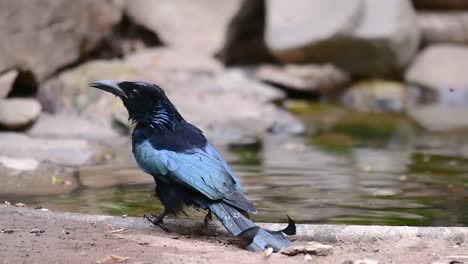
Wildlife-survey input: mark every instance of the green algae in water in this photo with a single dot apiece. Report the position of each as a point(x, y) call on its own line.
point(333, 142)
point(367, 127)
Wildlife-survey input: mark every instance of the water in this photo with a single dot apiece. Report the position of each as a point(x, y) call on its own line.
point(394, 175)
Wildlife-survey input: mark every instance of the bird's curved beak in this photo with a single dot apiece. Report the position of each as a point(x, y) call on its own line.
point(109, 86)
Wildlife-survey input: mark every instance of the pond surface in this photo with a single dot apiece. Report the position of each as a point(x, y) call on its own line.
point(383, 171)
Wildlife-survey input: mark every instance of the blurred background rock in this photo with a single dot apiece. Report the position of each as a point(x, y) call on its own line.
point(242, 70)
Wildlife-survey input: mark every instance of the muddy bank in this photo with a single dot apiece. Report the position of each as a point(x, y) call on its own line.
point(35, 236)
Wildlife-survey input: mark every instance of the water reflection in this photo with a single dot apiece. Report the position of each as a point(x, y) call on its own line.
point(419, 179)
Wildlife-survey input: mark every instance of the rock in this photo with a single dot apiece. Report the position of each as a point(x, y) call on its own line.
point(195, 93)
point(18, 112)
point(441, 4)
point(6, 82)
point(440, 67)
point(321, 79)
point(69, 152)
point(385, 33)
point(314, 248)
point(376, 96)
point(244, 43)
point(47, 35)
point(20, 164)
point(443, 27)
point(70, 126)
point(236, 80)
point(196, 26)
point(439, 117)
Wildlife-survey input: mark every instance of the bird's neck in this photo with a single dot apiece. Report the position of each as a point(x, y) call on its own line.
point(164, 117)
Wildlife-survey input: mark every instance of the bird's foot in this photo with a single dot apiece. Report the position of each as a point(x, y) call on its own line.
point(157, 221)
point(208, 218)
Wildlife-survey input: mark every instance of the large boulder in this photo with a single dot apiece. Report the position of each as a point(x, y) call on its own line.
point(440, 67)
point(194, 25)
point(365, 37)
point(68, 152)
point(441, 70)
point(71, 126)
point(228, 105)
point(44, 36)
point(443, 27)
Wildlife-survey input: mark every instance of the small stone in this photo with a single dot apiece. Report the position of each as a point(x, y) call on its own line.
point(318, 249)
point(7, 203)
point(44, 209)
point(37, 231)
point(20, 164)
point(7, 231)
point(307, 257)
point(18, 112)
point(20, 205)
point(267, 252)
point(292, 250)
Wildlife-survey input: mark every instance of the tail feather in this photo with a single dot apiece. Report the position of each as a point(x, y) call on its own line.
point(255, 237)
point(232, 220)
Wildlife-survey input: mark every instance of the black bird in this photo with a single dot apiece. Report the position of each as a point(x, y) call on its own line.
point(188, 170)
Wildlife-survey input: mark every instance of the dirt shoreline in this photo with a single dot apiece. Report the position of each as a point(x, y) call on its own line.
point(34, 236)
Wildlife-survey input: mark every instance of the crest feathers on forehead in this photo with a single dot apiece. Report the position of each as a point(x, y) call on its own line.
point(141, 86)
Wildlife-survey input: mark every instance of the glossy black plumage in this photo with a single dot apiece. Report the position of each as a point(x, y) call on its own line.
point(186, 168)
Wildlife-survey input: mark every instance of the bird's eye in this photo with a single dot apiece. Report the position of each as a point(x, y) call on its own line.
point(134, 92)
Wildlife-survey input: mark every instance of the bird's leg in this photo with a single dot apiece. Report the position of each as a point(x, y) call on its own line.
point(208, 218)
point(157, 220)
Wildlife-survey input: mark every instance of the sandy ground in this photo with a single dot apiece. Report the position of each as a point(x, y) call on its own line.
point(73, 238)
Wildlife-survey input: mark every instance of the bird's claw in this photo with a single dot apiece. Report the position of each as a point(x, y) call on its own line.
point(208, 218)
point(156, 221)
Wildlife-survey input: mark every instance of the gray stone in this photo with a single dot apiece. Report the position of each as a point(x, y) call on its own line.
point(44, 36)
point(363, 37)
point(20, 164)
point(440, 67)
point(70, 152)
point(18, 112)
point(71, 126)
point(192, 25)
point(6, 82)
point(307, 78)
point(439, 117)
point(443, 27)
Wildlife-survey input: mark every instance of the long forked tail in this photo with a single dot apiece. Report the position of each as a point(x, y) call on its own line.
point(256, 238)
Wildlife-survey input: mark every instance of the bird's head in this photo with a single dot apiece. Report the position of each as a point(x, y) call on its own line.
point(146, 103)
